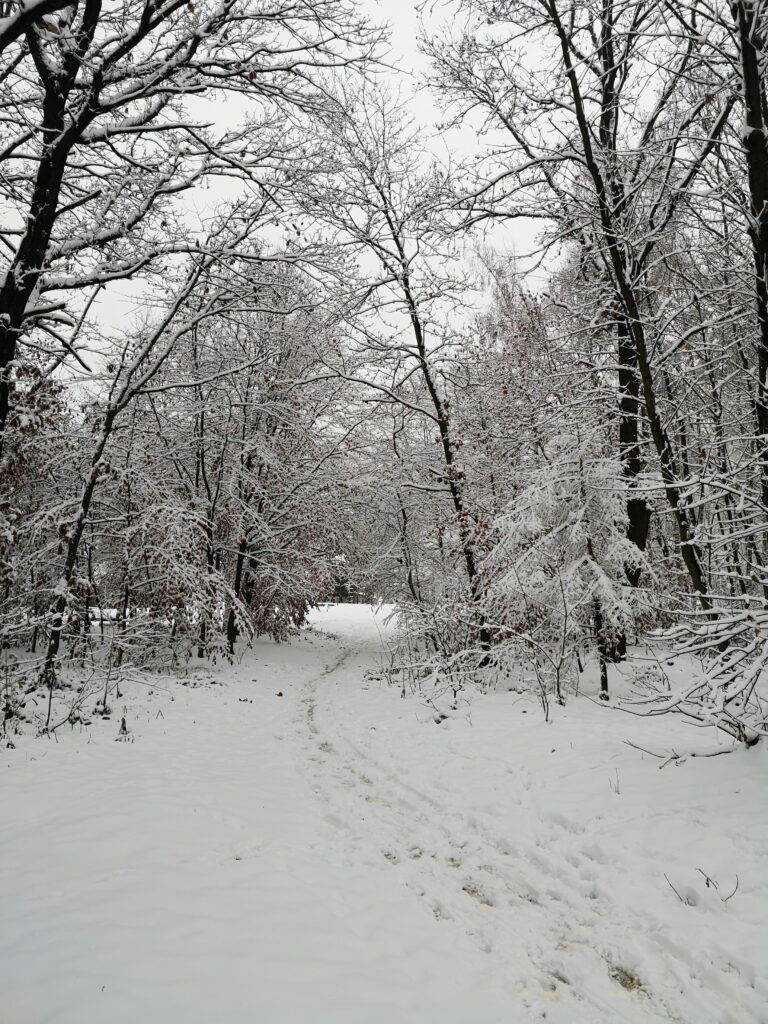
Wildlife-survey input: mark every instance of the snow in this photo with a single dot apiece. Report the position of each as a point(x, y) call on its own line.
point(335, 855)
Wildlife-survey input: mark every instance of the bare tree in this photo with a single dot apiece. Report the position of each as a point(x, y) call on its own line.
point(98, 135)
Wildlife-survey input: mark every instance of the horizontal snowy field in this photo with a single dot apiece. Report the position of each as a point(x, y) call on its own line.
point(286, 840)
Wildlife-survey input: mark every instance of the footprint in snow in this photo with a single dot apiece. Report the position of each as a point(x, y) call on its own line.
point(477, 893)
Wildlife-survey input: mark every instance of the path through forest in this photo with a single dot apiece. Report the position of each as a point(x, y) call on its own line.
point(286, 840)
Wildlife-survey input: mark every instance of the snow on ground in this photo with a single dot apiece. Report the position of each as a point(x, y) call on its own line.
point(336, 855)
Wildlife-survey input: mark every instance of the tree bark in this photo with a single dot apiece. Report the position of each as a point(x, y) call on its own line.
point(746, 16)
point(638, 511)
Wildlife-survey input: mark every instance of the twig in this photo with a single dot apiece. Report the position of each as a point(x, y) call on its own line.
point(672, 757)
point(643, 749)
point(674, 890)
point(715, 753)
point(726, 898)
point(709, 881)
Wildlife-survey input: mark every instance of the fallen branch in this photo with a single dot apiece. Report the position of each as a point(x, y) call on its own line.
point(672, 755)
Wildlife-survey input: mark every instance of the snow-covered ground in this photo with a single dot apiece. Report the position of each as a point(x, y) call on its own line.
point(288, 841)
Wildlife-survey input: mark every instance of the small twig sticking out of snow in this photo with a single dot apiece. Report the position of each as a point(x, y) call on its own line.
point(707, 880)
point(711, 883)
point(674, 890)
point(664, 758)
point(643, 749)
point(124, 734)
point(672, 757)
point(735, 888)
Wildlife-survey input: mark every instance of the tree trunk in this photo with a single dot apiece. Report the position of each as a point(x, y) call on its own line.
point(746, 15)
point(638, 511)
point(236, 587)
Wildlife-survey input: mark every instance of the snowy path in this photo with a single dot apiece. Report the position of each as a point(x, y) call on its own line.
point(333, 855)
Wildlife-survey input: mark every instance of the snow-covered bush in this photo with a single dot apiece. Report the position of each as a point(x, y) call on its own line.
point(434, 650)
point(558, 585)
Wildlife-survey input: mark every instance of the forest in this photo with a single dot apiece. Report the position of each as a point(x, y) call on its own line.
point(476, 336)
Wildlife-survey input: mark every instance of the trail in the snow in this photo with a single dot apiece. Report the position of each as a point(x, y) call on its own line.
point(532, 898)
point(446, 861)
